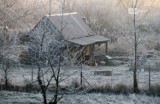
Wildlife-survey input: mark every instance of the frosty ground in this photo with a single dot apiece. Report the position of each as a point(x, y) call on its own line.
point(98, 98)
point(120, 75)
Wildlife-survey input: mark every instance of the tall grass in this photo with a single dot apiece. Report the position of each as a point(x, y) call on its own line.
point(107, 89)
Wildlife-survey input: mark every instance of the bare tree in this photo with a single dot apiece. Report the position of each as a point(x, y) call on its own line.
point(8, 37)
point(6, 53)
point(101, 16)
point(5, 44)
point(135, 7)
point(52, 61)
point(50, 52)
point(13, 13)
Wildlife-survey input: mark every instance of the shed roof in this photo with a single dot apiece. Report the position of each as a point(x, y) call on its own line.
point(89, 40)
point(74, 29)
point(72, 25)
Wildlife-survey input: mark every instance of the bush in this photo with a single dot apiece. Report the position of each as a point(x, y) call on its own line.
point(26, 88)
point(117, 89)
point(75, 84)
point(31, 88)
point(100, 89)
point(10, 87)
point(109, 62)
point(157, 47)
point(24, 58)
point(154, 90)
point(122, 89)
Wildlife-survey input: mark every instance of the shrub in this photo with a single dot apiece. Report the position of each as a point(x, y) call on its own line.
point(122, 89)
point(154, 90)
point(26, 88)
point(75, 84)
point(24, 58)
point(30, 87)
point(10, 87)
point(157, 47)
point(117, 89)
point(100, 89)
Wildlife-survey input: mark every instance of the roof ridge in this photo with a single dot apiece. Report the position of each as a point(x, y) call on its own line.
point(64, 14)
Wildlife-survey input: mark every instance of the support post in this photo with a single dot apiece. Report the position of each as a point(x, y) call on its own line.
point(92, 50)
point(106, 48)
point(81, 73)
point(149, 80)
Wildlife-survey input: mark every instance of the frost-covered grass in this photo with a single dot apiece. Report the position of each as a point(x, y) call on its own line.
point(120, 75)
point(30, 98)
point(109, 99)
point(19, 98)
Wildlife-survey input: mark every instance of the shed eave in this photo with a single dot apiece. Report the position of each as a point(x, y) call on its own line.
point(89, 40)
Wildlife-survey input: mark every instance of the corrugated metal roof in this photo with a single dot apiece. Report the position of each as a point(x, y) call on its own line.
point(89, 40)
point(72, 25)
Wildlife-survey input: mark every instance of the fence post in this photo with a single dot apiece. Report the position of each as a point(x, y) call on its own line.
point(149, 76)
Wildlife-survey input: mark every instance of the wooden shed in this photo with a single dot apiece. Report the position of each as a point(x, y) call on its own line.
point(74, 29)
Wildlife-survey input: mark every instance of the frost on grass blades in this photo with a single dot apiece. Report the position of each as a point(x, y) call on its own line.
point(27, 98)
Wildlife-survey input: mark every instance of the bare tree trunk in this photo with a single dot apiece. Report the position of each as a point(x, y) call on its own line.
point(32, 74)
point(43, 89)
point(81, 74)
point(6, 74)
point(56, 93)
point(135, 84)
point(6, 69)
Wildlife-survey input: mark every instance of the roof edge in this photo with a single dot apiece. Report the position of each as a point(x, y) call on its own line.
point(61, 14)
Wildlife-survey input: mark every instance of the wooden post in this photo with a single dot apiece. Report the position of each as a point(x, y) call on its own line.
point(81, 73)
point(149, 80)
point(32, 73)
point(81, 76)
point(106, 49)
point(93, 52)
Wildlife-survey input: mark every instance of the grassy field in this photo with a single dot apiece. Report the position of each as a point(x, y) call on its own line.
point(98, 98)
point(120, 75)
